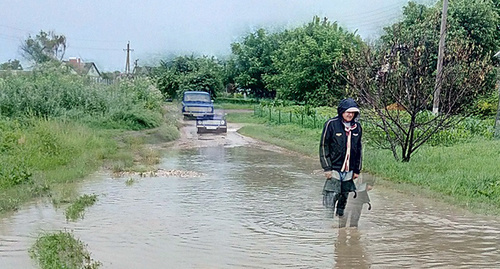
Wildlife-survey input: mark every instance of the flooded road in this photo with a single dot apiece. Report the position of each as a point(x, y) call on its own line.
point(250, 205)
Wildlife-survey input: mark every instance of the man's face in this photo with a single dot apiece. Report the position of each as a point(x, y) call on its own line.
point(348, 116)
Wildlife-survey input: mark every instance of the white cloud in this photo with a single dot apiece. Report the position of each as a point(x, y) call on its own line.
point(99, 30)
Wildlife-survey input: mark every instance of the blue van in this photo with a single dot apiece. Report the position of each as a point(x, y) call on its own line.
point(197, 104)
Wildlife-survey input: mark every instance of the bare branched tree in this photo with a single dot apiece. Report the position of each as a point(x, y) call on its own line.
point(397, 82)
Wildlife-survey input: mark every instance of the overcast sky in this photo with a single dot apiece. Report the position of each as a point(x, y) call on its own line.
point(98, 30)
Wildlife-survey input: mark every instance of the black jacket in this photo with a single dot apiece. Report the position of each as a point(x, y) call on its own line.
point(332, 148)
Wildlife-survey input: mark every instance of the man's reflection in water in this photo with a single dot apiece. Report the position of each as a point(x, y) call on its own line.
point(350, 251)
point(354, 206)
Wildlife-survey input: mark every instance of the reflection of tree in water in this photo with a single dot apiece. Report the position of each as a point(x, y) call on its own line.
point(350, 251)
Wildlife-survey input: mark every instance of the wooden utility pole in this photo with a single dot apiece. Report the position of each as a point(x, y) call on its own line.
point(439, 71)
point(497, 120)
point(127, 64)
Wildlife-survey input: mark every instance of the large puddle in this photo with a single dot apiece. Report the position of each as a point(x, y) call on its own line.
point(252, 208)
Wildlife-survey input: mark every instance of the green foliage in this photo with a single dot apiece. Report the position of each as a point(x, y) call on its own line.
point(62, 250)
point(191, 73)
point(44, 47)
point(400, 73)
point(306, 63)
point(475, 21)
point(11, 65)
point(77, 209)
point(36, 153)
point(167, 80)
point(304, 116)
point(51, 91)
point(130, 181)
point(252, 60)
point(14, 171)
point(230, 100)
point(51, 128)
point(486, 106)
point(462, 130)
point(466, 171)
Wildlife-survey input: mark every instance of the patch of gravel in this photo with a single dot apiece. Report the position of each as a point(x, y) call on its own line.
point(161, 173)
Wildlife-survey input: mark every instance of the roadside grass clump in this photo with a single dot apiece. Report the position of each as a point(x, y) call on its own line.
point(77, 209)
point(167, 133)
point(38, 153)
point(121, 161)
point(130, 181)
point(62, 250)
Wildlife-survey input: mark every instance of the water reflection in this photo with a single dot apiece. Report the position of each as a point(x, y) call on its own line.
point(357, 202)
point(350, 251)
point(252, 208)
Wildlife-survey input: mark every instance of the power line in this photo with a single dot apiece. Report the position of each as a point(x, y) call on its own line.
point(372, 12)
point(9, 37)
point(87, 48)
point(357, 16)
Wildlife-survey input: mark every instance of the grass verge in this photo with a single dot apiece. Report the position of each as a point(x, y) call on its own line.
point(41, 155)
point(464, 174)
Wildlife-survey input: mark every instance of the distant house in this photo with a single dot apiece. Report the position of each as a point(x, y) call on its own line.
point(85, 69)
point(142, 70)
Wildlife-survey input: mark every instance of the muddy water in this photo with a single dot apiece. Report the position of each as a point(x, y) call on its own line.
point(252, 208)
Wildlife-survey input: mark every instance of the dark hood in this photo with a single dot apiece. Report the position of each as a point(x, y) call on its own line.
point(346, 104)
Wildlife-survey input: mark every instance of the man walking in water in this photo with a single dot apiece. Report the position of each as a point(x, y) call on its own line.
point(340, 155)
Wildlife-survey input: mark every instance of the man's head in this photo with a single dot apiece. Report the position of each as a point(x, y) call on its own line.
point(348, 109)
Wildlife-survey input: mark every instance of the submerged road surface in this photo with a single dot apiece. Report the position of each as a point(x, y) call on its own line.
point(245, 204)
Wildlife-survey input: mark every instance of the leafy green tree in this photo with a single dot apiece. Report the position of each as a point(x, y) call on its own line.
point(475, 21)
point(167, 80)
point(185, 73)
point(305, 63)
point(11, 65)
point(252, 60)
point(229, 74)
point(44, 47)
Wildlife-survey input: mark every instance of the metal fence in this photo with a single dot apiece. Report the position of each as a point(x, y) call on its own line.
point(304, 117)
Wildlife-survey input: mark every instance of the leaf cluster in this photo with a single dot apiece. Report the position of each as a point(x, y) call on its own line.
point(188, 73)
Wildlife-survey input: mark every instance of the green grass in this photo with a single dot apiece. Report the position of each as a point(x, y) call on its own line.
point(244, 117)
point(77, 209)
point(466, 174)
point(290, 137)
point(233, 106)
point(61, 250)
point(41, 155)
point(130, 182)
